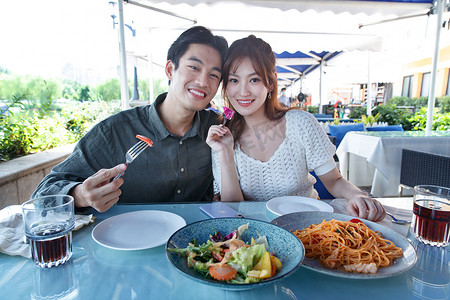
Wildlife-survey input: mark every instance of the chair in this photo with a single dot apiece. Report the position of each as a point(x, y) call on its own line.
point(386, 128)
point(320, 188)
point(424, 168)
point(339, 131)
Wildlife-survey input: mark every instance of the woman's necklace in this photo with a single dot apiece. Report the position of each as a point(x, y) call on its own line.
point(260, 129)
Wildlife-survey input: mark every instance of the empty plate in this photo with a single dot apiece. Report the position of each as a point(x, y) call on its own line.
point(137, 230)
point(289, 204)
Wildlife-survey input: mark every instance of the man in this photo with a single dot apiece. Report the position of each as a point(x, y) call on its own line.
point(178, 166)
point(284, 99)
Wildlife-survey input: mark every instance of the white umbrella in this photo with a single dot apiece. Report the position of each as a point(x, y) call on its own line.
point(335, 29)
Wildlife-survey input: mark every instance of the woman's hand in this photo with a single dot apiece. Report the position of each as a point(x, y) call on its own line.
point(359, 204)
point(220, 138)
point(363, 206)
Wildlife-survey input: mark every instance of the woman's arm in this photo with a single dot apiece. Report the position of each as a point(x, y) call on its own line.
point(221, 141)
point(359, 203)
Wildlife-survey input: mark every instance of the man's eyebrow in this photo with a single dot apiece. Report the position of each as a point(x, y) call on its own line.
point(193, 58)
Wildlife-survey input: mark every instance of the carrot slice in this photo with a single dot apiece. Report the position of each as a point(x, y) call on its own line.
point(223, 273)
point(145, 139)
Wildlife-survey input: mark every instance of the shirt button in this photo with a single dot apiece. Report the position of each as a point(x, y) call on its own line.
point(182, 170)
point(181, 142)
point(179, 191)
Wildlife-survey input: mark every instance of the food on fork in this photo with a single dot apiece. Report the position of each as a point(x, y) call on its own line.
point(145, 139)
point(227, 114)
point(348, 246)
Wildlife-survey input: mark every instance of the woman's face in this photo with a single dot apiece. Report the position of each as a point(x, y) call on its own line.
point(246, 90)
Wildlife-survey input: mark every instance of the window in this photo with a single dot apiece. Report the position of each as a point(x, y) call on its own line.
point(407, 86)
point(426, 81)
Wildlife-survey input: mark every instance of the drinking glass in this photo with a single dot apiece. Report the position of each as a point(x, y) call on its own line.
point(431, 219)
point(49, 221)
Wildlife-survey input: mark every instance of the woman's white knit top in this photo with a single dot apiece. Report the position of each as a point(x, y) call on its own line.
point(305, 148)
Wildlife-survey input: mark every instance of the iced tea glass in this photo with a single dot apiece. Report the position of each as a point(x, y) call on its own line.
point(431, 219)
point(49, 221)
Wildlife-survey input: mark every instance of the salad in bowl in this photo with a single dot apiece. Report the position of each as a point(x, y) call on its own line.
point(234, 253)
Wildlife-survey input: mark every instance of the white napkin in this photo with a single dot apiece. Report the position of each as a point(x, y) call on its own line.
point(12, 232)
point(340, 207)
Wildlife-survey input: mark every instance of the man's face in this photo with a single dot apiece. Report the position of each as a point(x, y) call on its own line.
point(196, 80)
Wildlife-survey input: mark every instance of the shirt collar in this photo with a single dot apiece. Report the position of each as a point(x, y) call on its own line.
point(161, 132)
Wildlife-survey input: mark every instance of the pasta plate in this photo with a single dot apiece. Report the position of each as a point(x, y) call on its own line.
point(301, 220)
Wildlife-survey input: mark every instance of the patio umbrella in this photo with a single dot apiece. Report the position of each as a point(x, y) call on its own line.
point(284, 35)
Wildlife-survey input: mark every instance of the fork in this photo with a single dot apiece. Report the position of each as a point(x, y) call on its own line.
point(132, 153)
point(398, 221)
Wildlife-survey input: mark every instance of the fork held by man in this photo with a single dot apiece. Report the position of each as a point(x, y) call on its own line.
point(132, 153)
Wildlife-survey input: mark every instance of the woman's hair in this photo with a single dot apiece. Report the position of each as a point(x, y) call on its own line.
point(263, 61)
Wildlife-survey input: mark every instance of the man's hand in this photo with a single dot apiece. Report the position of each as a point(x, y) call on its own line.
point(98, 191)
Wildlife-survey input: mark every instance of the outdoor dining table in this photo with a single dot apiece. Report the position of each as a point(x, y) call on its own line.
point(374, 158)
point(97, 272)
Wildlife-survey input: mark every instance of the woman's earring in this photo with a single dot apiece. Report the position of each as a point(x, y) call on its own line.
point(270, 95)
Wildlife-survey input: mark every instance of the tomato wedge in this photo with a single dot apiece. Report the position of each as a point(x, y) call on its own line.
point(222, 273)
point(145, 139)
point(356, 221)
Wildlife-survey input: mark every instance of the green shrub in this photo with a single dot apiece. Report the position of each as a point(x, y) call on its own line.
point(16, 139)
point(312, 109)
point(443, 103)
point(405, 101)
point(393, 115)
point(357, 112)
point(440, 121)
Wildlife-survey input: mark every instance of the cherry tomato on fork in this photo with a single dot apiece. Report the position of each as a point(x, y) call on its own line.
point(356, 221)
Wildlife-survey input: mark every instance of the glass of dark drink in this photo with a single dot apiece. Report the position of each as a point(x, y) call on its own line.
point(49, 222)
point(431, 219)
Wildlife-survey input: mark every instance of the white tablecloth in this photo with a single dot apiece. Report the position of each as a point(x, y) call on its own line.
point(383, 151)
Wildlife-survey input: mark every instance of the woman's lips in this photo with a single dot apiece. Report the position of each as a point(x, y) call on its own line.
point(245, 102)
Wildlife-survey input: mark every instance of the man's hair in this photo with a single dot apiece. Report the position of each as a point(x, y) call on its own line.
point(196, 35)
point(283, 89)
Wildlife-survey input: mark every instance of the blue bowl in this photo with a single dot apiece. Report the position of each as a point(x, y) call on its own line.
point(286, 246)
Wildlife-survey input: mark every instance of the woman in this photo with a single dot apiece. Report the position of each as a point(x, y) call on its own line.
point(268, 151)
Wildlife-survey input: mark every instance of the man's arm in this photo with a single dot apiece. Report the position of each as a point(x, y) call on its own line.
point(87, 172)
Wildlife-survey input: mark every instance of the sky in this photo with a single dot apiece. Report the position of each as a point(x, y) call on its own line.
point(40, 37)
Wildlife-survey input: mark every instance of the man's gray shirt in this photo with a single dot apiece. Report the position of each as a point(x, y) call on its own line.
point(175, 169)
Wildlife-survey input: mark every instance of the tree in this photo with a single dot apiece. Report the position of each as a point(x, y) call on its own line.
point(110, 90)
point(84, 93)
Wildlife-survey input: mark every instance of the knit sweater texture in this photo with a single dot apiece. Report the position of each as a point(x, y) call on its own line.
point(305, 148)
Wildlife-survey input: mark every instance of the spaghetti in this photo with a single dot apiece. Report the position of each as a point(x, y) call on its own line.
point(348, 246)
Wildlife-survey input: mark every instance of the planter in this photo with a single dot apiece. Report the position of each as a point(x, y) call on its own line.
point(19, 177)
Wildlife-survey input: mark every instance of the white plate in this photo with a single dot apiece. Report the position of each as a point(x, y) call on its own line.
point(137, 230)
point(302, 220)
point(289, 204)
